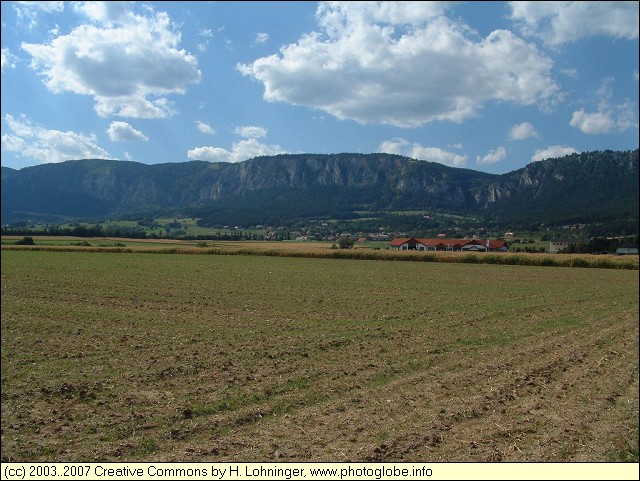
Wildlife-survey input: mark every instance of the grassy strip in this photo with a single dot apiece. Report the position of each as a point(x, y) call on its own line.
point(520, 259)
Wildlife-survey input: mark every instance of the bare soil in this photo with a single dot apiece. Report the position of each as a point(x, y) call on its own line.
point(145, 357)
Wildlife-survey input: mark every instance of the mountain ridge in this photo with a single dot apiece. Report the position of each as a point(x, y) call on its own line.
point(594, 185)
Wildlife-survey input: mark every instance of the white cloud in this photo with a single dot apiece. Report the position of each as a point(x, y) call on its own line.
point(212, 154)
point(396, 146)
point(618, 119)
point(121, 59)
point(243, 150)
point(205, 33)
point(205, 128)
point(334, 17)
point(107, 13)
point(27, 12)
point(434, 154)
point(492, 157)
point(42, 6)
point(593, 123)
point(416, 151)
point(262, 37)
point(134, 107)
point(522, 131)
point(561, 22)
point(608, 118)
point(246, 148)
point(569, 72)
point(402, 64)
point(8, 60)
point(251, 131)
point(48, 146)
point(552, 152)
point(123, 132)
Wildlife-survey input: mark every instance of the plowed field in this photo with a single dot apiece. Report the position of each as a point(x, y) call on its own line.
point(169, 357)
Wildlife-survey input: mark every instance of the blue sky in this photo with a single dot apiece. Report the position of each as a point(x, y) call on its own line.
point(488, 86)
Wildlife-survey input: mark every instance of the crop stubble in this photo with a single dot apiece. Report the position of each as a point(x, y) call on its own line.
point(125, 356)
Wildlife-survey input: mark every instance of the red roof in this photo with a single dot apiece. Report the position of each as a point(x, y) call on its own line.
point(497, 244)
point(401, 240)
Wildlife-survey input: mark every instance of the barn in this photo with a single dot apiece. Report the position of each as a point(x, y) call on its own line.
point(453, 245)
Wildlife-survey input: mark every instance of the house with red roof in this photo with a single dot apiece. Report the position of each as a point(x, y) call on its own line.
point(453, 245)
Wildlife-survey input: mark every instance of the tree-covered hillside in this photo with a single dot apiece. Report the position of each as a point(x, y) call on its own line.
point(599, 188)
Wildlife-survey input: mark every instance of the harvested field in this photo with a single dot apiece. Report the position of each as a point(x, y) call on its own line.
point(111, 356)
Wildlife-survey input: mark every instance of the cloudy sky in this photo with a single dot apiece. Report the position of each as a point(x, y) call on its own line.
point(488, 86)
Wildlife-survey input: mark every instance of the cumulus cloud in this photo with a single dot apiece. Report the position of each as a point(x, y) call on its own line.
point(618, 119)
point(434, 154)
point(492, 157)
point(395, 146)
point(522, 131)
point(251, 131)
point(127, 62)
point(246, 148)
point(335, 17)
point(8, 59)
point(205, 128)
point(262, 37)
point(48, 146)
point(593, 123)
point(416, 151)
point(608, 118)
point(212, 154)
point(552, 152)
point(108, 13)
point(562, 22)
point(402, 64)
point(242, 150)
point(123, 132)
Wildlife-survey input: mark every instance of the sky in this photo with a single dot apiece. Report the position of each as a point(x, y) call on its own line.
point(487, 86)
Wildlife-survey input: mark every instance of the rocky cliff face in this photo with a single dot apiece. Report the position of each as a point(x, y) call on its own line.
point(589, 177)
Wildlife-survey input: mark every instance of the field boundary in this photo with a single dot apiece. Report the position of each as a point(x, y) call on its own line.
point(516, 259)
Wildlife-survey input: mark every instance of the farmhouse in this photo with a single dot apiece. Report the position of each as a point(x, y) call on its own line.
point(459, 245)
point(626, 250)
point(565, 245)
